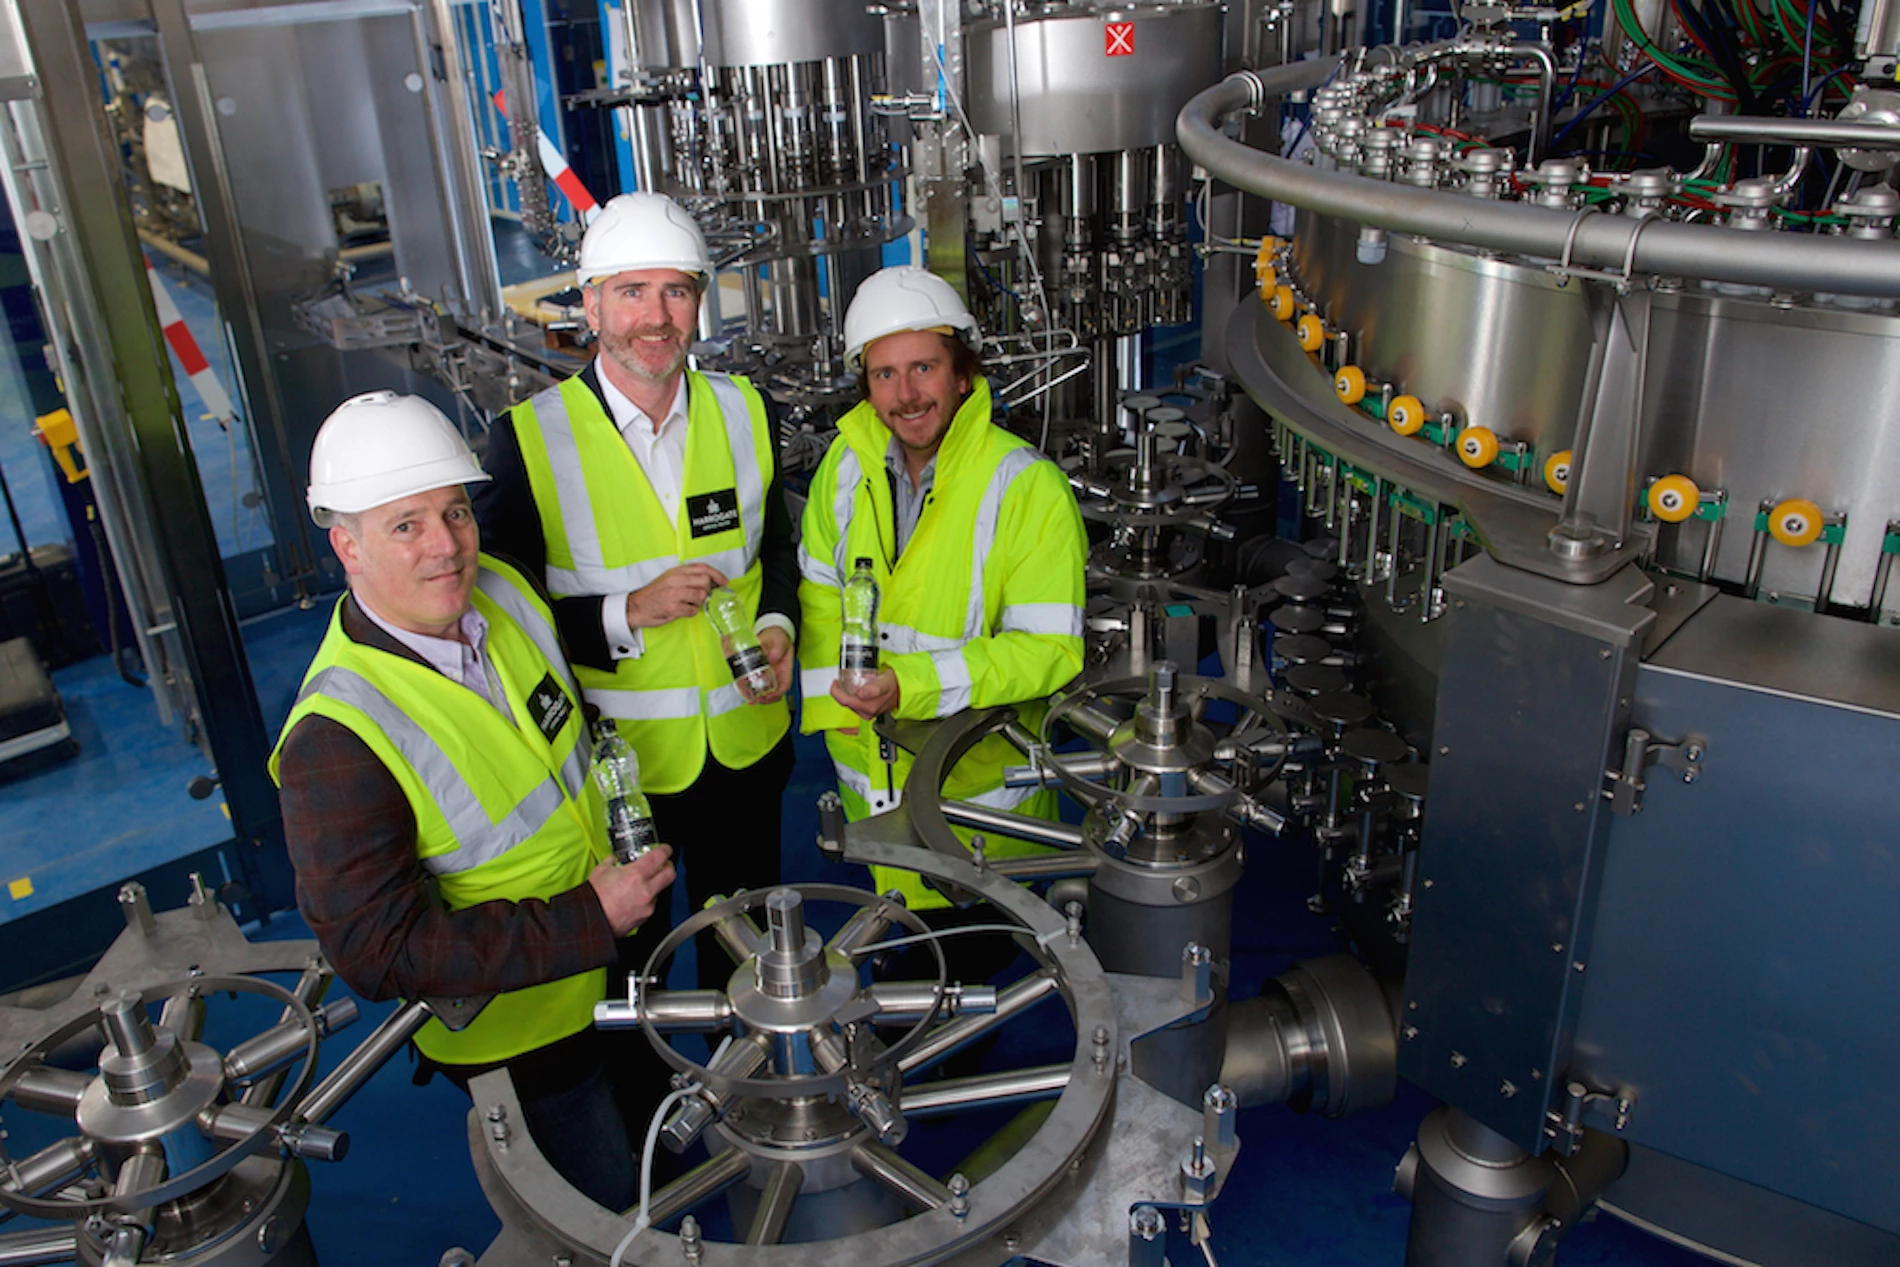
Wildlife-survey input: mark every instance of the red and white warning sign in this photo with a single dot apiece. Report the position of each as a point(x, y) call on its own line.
point(217, 402)
point(557, 169)
point(1118, 39)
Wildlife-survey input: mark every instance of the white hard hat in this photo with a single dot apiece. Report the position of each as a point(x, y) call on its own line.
point(642, 230)
point(905, 297)
point(380, 446)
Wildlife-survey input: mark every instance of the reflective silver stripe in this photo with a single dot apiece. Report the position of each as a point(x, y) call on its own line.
point(723, 699)
point(1014, 463)
point(850, 473)
point(748, 480)
point(1002, 797)
point(816, 683)
point(669, 704)
point(1042, 618)
point(590, 573)
point(902, 639)
point(585, 582)
point(816, 570)
point(478, 840)
point(570, 488)
point(504, 595)
point(953, 682)
point(877, 798)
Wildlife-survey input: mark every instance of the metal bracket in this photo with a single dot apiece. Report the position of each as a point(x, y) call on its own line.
point(1642, 750)
point(1563, 1125)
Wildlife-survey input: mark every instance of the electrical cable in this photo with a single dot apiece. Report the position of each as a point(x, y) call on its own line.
point(641, 1221)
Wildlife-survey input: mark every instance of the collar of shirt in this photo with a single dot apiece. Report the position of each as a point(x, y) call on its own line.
point(908, 501)
point(461, 661)
point(661, 453)
point(630, 417)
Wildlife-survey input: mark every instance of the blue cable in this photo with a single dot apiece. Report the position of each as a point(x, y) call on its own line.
point(1584, 113)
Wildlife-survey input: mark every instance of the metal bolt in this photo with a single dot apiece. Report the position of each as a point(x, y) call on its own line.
point(1444, 750)
point(1690, 776)
point(1219, 1107)
point(1146, 1222)
point(1578, 965)
point(1459, 1060)
point(1410, 1032)
point(1507, 1089)
point(689, 1240)
point(1100, 1041)
point(959, 1195)
point(1197, 1174)
point(1012, 1240)
point(1557, 947)
point(978, 850)
point(1578, 806)
point(1603, 653)
point(1693, 751)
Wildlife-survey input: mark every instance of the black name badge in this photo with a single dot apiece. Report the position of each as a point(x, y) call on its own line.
point(550, 707)
point(707, 513)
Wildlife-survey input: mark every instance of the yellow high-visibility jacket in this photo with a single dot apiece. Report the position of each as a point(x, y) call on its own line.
point(983, 607)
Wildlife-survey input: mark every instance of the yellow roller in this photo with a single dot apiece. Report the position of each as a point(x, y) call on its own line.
point(1350, 384)
point(1795, 522)
point(1280, 303)
point(1312, 332)
point(1673, 498)
point(1477, 447)
point(1557, 471)
point(1406, 415)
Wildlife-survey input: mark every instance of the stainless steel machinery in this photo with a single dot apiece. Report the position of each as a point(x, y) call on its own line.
point(172, 1150)
point(1595, 454)
point(804, 1111)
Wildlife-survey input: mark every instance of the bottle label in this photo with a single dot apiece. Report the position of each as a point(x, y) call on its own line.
point(861, 657)
point(629, 832)
point(746, 661)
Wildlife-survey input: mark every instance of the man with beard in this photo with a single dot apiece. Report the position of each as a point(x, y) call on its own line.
point(974, 540)
point(634, 489)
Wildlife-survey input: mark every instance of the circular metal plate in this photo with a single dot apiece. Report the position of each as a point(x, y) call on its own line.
point(1343, 709)
point(1322, 548)
point(1301, 648)
point(1408, 780)
point(1314, 680)
point(1296, 618)
point(1319, 569)
point(1374, 747)
point(1301, 589)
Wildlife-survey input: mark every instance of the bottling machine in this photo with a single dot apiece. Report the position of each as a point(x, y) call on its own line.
point(1517, 548)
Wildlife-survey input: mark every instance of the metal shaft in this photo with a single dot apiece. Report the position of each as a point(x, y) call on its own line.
point(775, 1204)
point(945, 1039)
point(953, 1095)
point(1002, 822)
point(360, 1065)
point(912, 1186)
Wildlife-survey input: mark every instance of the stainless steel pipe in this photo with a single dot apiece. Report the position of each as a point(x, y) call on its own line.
point(1784, 261)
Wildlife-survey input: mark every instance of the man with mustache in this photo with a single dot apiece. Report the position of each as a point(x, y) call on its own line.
point(974, 539)
point(633, 489)
point(447, 839)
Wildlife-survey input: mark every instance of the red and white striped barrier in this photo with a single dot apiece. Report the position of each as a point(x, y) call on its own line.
point(217, 402)
point(564, 177)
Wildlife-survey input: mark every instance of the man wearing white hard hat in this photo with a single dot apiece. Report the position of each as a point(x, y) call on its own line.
point(634, 488)
point(974, 540)
point(447, 839)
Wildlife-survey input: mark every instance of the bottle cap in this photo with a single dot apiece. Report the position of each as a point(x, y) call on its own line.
point(861, 562)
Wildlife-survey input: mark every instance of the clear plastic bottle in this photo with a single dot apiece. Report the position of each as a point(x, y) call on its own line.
point(857, 647)
point(616, 770)
point(740, 645)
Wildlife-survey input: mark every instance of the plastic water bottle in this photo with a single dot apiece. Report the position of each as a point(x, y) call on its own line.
point(857, 648)
point(740, 645)
point(616, 770)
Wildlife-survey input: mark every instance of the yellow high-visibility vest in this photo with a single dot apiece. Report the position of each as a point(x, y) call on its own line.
point(504, 806)
point(606, 533)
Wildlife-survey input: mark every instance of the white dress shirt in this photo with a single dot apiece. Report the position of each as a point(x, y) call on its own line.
point(661, 453)
point(462, 660)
